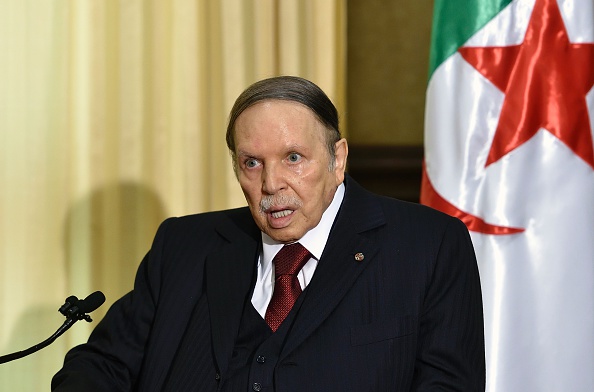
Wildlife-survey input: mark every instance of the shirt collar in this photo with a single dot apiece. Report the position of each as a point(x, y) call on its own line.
point(314, 240)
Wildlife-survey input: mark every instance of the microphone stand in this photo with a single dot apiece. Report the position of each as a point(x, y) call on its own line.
point(73, 312)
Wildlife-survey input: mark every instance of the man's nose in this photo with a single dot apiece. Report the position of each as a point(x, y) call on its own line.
point(273, 179)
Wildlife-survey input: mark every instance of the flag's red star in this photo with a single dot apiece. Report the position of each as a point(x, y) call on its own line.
point(545, 80)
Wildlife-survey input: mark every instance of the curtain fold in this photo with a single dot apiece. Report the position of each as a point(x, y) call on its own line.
point(112, 117)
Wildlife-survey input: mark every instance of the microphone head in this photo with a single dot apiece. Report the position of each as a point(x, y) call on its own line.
point(92, 302)
point(70, 306)
point(72, 300)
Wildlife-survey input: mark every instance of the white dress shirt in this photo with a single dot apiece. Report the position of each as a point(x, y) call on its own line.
point(314, 241)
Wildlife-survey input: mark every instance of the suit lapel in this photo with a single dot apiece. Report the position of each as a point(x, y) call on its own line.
point(229, 273)
point(338, 267)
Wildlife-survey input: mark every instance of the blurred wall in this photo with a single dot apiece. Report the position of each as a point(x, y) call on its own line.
point(387, 70)
point(112, 117)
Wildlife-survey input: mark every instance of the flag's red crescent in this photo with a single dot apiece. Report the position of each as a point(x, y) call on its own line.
point(431, 198)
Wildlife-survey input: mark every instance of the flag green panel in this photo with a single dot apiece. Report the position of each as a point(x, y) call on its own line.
point(455, 21)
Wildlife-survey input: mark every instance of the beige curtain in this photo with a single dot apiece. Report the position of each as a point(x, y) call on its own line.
point(112, 117)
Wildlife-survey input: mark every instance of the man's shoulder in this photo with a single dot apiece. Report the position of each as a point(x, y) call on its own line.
point(406, 213)
point(394, 211)
point(417, 209)
point(233, 214)
point(208, 223)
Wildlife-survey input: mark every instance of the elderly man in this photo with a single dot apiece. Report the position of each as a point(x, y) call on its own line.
point(317, 285)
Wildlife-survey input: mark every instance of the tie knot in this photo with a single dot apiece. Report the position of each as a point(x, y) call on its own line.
point(290, 259)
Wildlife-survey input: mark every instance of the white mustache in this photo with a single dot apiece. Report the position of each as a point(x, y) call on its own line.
point(271, 201)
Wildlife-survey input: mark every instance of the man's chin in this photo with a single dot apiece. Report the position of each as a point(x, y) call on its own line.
point(285, 235)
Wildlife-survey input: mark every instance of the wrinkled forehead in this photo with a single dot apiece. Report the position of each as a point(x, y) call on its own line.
point(281, 113)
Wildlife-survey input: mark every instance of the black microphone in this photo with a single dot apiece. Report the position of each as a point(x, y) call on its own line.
point(74, 309)
point(92, 302)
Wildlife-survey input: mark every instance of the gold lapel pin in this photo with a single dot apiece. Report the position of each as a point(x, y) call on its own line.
point(359, 256)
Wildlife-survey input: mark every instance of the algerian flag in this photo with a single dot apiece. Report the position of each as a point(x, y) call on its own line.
point(509, 149)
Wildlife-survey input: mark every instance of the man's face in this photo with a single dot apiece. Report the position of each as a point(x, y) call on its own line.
point(282, 167)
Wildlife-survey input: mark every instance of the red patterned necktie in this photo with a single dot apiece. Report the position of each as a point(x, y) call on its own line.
point(287, 264)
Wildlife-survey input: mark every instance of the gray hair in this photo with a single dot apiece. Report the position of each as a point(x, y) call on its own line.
point(288, 88)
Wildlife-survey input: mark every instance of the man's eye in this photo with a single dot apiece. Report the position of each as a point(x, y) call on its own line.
point(294, 157)
point(250, 163)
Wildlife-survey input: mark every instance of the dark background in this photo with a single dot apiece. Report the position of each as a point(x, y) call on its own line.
point(387, 71)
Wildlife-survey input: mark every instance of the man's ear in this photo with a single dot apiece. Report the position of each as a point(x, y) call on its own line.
point(341, 151)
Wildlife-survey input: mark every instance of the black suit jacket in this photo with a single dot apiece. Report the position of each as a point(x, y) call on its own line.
point(408, 316)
